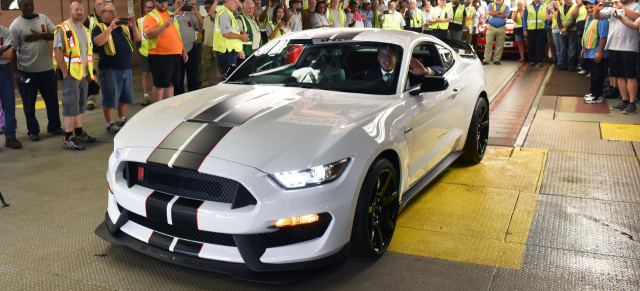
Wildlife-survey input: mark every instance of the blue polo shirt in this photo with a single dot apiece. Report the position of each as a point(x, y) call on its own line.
point(498, 21)
point(526, 13)
point(122, 59)
point(603, 31)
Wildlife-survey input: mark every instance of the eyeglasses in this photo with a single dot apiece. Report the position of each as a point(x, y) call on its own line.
point(76, 9)
point(111, 11)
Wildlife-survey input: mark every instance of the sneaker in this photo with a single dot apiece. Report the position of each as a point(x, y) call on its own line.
point(122, 123)
point(533, 64)
point(112, 128)
point(621, 106)
point(85, 138)
point(612, 93)
point(579, 68)
point(13, 143)
point(34, 137)
point(497, 63)
point(90, 106)
point(631, 109)
point(485, 63)
point(594, 100)
point(583, 72)
point(146, 101)
point(588, 97)
point(72, 144)
point(588, 75)
point(539, 65)
point(58, 131)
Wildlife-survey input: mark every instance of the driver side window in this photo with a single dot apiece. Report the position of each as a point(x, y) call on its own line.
point(428, 54)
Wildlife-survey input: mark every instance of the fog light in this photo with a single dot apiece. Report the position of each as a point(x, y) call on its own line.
point(311, 218)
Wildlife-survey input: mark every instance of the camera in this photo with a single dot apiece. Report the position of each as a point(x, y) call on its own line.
point(607, 4)
point(386, 12)
point(187, 8)
point(122, 21)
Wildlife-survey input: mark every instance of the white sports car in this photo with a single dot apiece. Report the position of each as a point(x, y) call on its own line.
point(307, 153)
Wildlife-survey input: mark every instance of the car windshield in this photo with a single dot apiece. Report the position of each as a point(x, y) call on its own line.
point(336, 66)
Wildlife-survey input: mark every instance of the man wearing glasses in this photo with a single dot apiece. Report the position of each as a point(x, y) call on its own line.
point(74, 53)
point(115, 46)
point(91, 23)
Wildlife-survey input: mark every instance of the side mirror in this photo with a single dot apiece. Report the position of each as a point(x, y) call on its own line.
point(434, 84)
point(228, 70)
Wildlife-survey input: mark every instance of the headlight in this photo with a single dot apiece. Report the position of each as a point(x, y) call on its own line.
point(311, 177)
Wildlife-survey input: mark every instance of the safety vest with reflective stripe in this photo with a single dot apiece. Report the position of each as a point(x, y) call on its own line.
point(144, 43)
point(416, 21)
point(93, 21)
point(518, 22)
point(376, 20)
point(109, 47)
point(566, 17)
point(590, 35)
point(273, 28)
point(153, 42)
point(72, 56)
point(221, 43)
point(469, 19)
point(341, 14)
point(392, 21)
point(441, 25)
point(458, 14)
point(535, 21)
point(492, 7)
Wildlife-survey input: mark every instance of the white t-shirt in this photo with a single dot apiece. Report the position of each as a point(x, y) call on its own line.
point(621, 38)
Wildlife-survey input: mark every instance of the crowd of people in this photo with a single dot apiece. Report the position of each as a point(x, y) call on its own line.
point(98, 48)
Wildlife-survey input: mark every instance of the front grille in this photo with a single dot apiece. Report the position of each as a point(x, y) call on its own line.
point(185, 183)
point(184, 232)
point(296, 234)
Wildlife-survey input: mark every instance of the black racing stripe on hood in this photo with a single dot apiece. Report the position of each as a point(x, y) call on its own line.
point(167, 148)
point(200, 146)
point(229, 111)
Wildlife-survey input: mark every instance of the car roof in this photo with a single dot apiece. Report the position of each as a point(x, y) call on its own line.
point(399, 37)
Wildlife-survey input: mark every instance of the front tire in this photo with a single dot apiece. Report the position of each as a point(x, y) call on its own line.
point(478, 135)
point(376, 212)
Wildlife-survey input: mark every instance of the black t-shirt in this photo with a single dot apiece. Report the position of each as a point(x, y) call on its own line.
point(122, 59)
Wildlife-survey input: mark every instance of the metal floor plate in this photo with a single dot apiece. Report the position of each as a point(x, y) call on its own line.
point(603, 177)
point(566, 129)
point(580, 145)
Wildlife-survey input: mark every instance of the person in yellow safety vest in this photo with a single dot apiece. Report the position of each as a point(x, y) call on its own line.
point(266, 12)
point(337, 17)
point(427, 14)
point(441, 16)
point(594, 40)
point(518, 31)
point(417, 17)
point(568, 58)
point(498, 12)
point(116, 48)
point(149, 5)
point(90, 22)
point(535, 30)
point(469, 25)
point(458, 15)
point(580, 14)
point(166, 52)
point(227, 38)
point(74, 53)
point(391, 19)
point(375, 22)
point(278, 26)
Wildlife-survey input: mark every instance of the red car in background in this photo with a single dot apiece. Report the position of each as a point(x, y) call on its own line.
point(510, 43)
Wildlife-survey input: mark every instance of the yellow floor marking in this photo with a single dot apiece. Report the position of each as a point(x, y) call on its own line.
point(617, 131)
point(469, 216)
point(39, 105)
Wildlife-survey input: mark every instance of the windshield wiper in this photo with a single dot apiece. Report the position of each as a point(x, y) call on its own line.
point(243, 82)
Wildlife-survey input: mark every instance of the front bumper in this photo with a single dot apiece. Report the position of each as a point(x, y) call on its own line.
point(248, 246)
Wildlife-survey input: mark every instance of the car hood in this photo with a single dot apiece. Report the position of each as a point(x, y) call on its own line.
point(271, 128)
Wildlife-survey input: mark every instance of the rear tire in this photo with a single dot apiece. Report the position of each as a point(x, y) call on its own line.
point(478, 135)
point(376, 212)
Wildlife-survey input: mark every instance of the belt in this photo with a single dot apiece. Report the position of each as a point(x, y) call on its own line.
point(6, 67)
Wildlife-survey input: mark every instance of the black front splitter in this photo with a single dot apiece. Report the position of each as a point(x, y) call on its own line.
point(268, 273)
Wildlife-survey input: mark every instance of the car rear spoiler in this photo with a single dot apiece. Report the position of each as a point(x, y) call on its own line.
point(464, 49)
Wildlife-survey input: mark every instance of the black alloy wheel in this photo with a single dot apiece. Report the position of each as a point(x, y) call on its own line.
point(478, 136)
point(376, 212)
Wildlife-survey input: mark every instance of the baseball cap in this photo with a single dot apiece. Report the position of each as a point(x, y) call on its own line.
point(591, 1)
point(162, 1)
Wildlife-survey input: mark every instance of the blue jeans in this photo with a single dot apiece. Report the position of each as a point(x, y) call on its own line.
point(569, 47)
point(558, 46)
point(8, 99)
